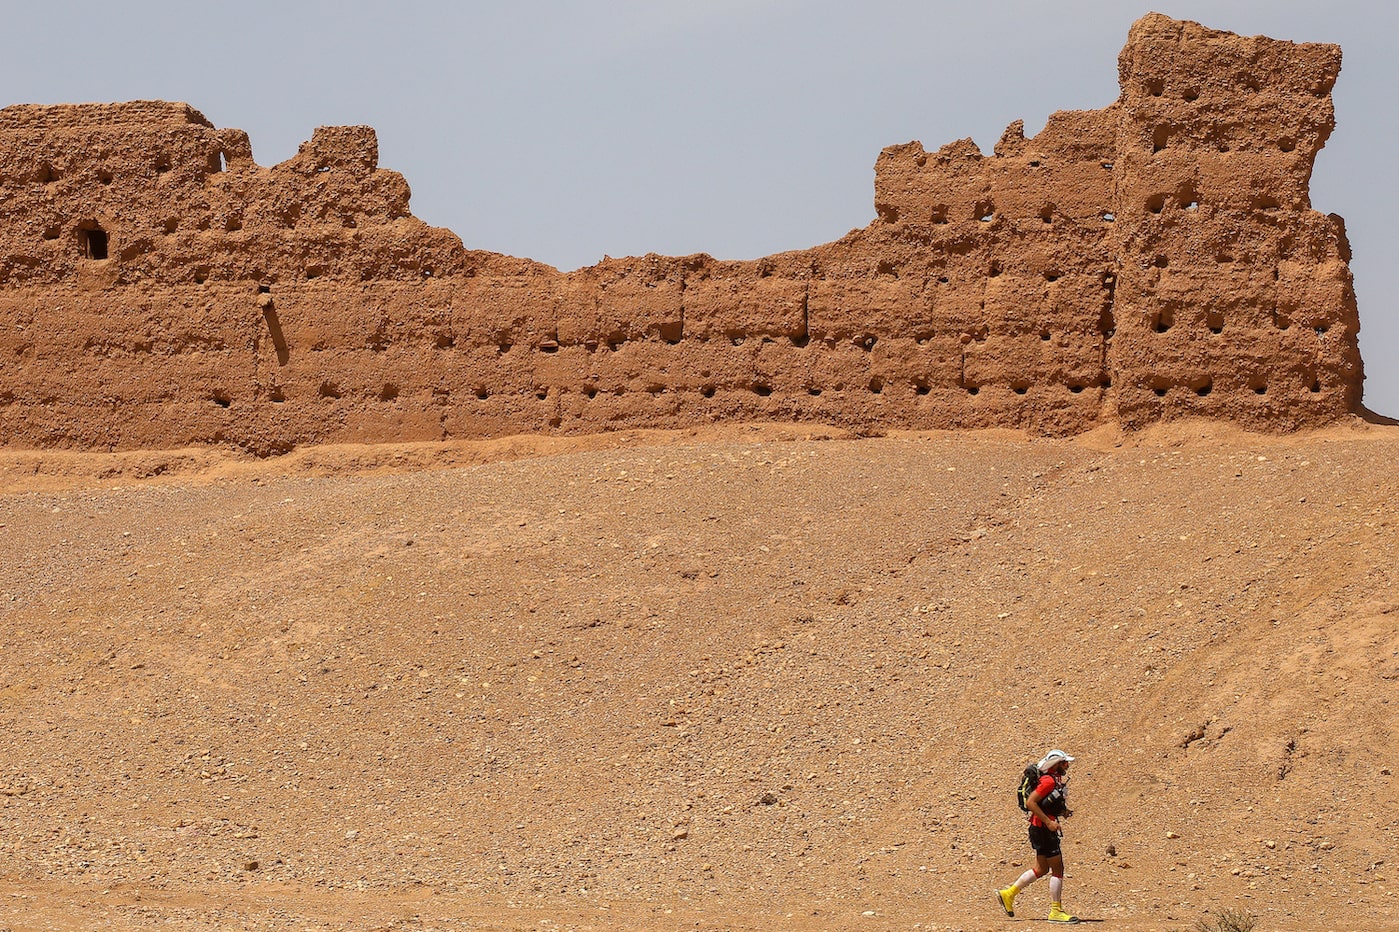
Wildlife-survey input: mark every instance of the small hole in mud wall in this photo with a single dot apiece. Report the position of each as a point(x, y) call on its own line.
point(1287, 144)
point(1044, 335)
point(1109, 217)
point(221, 399)
point(264, 289)
point(162, 164)
point(813, 391)
point(94, 241)
point(1020, 386)
point(1214, 319)
point(866, 342)
point(481, 393)
point(1190, 95)
point(1159, 387)
point(1315, 386)
point(973, 389)
point(276, 395)
point(1076, 387)
point(1259, 387)
point(1107, 166)
point(985, 212)
point(105, 177)
point(1156, 203)
point(389, 392)
point(216, 162)
point(876, 385)
point(233, 224)
point(1051, 275)
point(1163, 320)
point(589, 391)
point(1321, 329)
point(1160, 137)
point(1162, 262)
point(313, 272)
point(1202, 386)
point(762, 390)
point(939, 214)
point(707, 391)
point(887, 268)
point(921, 386)
point(1155, 87)
point(1281, 321)
point(542, 393)
point(1265, 202)
point(994, 271)
point(329, 390)
point(51, 232)
point(1047, 213)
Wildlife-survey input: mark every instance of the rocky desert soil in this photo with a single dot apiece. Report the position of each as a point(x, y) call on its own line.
point(756, 677)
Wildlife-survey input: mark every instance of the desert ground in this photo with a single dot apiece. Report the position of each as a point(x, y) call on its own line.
point(751, 677)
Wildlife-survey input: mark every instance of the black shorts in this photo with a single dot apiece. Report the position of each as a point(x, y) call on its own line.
point(1045, 842)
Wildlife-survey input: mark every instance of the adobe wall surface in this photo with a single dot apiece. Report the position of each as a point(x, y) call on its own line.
point(1152, 259)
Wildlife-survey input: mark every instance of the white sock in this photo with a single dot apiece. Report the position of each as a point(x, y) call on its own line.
point(1025, 880)
point(1056, 889)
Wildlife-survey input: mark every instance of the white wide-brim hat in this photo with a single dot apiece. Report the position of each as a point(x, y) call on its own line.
point(1052, 758)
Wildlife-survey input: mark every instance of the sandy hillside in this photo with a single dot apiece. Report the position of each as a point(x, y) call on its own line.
point(758, 678)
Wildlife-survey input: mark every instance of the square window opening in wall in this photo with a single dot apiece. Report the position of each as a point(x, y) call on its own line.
point(93, 240)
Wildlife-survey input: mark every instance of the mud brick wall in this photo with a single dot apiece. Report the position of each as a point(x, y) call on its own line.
point(1154, 259)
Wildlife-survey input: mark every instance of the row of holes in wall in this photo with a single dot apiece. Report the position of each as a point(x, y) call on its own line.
point(1156, 87)
point(1159, 387)
point(1164, 319)
point(1161, 137)
point(45, 173)
point(865, 341)
point(875, 386)
point(1204, 385)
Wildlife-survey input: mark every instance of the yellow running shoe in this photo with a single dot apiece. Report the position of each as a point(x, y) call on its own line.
point(1057, 914)
point(1007, 899)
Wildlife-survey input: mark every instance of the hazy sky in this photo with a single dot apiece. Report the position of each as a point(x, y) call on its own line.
point(566, 131)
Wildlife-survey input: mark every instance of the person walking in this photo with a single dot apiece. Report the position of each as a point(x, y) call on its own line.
point(1048, 806)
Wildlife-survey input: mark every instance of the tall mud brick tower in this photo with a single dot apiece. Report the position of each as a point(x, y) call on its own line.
point(1154, 259)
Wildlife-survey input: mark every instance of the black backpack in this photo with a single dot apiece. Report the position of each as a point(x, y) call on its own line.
point(1028, 781)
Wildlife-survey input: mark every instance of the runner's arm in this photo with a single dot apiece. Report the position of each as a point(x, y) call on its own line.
point(1032, 802)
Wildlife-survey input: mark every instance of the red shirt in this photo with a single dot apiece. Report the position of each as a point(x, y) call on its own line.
point(1049, 793)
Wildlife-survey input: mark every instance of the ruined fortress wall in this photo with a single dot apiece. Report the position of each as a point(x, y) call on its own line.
point(1232, 289)
point(1152, 259)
